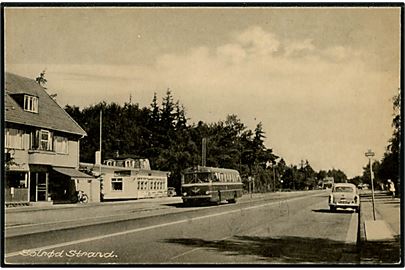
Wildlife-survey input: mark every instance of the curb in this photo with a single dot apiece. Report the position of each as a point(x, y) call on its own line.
point(372, 230)
point(20, 209)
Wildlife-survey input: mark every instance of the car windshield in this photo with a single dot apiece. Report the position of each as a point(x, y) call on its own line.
point(190, 178)
point(343, 189)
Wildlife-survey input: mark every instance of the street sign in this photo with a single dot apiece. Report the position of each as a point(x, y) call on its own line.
point(369, 153)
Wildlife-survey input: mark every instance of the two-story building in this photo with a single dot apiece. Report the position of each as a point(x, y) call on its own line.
point(41, 145)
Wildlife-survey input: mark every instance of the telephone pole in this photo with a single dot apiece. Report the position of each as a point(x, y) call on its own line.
point(204, 152)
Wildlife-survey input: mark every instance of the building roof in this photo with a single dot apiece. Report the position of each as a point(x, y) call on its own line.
point(50, 115)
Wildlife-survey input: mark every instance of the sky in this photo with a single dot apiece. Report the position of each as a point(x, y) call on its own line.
point(321, 80)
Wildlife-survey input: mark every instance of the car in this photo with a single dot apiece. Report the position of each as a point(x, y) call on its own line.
point(344, 195)
point(171, 192)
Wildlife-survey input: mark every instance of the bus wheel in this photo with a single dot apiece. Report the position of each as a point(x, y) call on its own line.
point(232, 200)
point(186, 203)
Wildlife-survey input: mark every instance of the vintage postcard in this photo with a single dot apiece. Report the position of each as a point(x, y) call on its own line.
point(202, 134)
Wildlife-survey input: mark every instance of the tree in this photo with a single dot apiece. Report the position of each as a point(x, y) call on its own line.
point(161, 134)
point(167, 114)
point(366, 178)
point(310, 176)
point(390, 163)
point(338, 175)
point(356, 180)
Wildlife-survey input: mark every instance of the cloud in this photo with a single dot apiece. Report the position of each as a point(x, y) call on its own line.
point(233, 53)
point(320, 104)
point(299, 47)
point(258, 42)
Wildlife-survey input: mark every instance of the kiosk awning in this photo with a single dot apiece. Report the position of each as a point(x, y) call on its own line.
point(73, 173)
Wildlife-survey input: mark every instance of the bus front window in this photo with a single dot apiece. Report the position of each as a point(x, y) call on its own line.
point(196, 178)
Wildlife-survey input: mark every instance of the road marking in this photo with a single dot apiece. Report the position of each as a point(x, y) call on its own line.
point(16, 253)
point(351, 236)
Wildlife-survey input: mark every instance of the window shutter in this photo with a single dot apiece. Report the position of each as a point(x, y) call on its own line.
point(35, 139)
point(50, 141)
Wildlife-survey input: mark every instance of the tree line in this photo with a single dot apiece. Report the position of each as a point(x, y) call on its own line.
point(162, 133)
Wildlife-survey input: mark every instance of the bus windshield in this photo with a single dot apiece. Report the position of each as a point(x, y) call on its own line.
point(190, 178)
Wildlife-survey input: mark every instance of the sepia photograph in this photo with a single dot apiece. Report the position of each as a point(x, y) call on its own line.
point(202, 134)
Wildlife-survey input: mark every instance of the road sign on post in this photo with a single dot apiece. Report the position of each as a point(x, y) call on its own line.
point(371, 154)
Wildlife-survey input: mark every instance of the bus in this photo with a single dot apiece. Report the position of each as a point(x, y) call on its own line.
point(210, 185)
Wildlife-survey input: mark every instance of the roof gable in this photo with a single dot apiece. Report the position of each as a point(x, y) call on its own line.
point(50, 115)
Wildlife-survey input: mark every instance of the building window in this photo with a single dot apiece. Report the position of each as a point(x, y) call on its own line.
point(42, 140)
point(129, 163)
point(30, 104)
point(45, 140)
point(61, 144)
point(110, 162)
point(14, 138)
point(116, 184)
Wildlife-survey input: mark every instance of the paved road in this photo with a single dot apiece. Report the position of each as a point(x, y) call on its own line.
point(291, 229)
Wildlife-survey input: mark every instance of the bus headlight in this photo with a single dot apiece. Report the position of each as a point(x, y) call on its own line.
point(185, 194)
point(207, 192)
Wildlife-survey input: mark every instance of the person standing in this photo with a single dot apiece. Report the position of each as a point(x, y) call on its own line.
point(391, 187)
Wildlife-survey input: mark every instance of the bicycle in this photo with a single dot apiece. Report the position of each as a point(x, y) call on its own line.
point(80, 197)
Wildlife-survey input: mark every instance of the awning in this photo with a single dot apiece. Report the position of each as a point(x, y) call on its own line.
point(73, 173)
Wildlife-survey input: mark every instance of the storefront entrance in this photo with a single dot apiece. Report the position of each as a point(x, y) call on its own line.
point(39, 178)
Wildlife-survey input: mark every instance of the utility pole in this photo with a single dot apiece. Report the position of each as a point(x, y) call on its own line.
point(101, 133)
point(204, 152)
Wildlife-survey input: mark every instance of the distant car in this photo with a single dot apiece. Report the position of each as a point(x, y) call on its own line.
point(344, 195)
point(171, 192)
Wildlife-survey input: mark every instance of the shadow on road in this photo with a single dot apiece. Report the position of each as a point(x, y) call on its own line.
point(381, 252)
point(182, 205)
point(287, 249)
point(330, 212)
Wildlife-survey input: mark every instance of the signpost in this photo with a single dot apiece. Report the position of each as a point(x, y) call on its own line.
point(371, 154)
